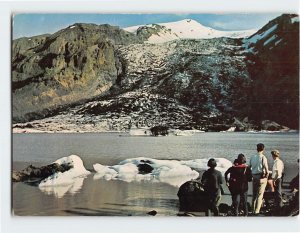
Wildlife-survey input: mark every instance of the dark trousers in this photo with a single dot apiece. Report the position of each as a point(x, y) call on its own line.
point(213, 205)
point(240, 199)
point(278, 193)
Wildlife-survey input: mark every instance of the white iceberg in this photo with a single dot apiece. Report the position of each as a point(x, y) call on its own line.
point(67, 177)
point(173, 172)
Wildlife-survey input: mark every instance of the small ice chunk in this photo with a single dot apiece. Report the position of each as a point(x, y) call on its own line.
point(104, 171)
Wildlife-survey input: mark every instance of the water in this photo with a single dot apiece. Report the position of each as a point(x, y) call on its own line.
point(114, 198)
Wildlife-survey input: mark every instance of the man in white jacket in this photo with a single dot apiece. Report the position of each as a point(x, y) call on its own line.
point(260, 171)
point(277, 172)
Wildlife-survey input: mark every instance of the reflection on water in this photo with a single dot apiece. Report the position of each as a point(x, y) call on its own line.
point(96, 197)
point(173, 181)
point(61, 190)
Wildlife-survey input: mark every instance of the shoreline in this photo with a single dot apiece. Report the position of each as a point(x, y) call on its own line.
point(29, 131)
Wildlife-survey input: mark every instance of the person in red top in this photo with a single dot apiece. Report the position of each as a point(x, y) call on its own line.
point(240, 175)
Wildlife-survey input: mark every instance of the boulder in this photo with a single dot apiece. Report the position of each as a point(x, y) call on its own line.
point(192, 197)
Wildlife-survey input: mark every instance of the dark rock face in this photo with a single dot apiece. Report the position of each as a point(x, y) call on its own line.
point(74, 64)
point(274, 68)
point(32, 173)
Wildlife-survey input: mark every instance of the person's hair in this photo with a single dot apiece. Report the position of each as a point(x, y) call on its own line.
point(235, 162)
point(260, 147)
point(241, 159)
point(212, 163)
point(275, 153)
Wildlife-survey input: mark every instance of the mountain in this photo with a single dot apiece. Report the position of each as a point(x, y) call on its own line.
point(99, 77)
point(184, 29)
point(274, 68)
point(73, 64)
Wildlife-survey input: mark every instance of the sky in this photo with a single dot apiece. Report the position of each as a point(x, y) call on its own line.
point(25, 25)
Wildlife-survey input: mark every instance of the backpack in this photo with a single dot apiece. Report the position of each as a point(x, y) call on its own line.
point(236, 180)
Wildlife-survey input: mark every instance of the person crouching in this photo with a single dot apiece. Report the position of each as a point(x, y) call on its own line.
point(212, 180)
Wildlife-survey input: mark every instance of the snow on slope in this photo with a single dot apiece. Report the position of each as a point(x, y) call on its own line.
point(188, 29)
point(253, 39)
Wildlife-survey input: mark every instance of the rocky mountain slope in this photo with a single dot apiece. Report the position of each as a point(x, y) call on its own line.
point(73, 64)
point(274, 69)
point(97, 78)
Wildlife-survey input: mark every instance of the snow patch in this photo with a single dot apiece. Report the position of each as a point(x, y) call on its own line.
point(270, 40)
point(72, 27)
point(277, 42)
point(255, 38)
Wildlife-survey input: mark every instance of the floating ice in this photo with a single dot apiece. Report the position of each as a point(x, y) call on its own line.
point(67, 177)
point(140, 132)
point(173, 172)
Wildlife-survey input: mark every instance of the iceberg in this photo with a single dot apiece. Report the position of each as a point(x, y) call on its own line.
point(172, 172)
point(67, 177)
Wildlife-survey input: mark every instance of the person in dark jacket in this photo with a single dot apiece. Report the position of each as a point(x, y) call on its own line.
point(212, 180)
point(240, 175)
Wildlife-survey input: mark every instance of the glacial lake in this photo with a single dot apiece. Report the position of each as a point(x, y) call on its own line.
point(99, 197)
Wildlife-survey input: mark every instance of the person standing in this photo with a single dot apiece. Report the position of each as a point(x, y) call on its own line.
point(259, 168)
point(277, 171)
point(240, 175)
point(212, 180)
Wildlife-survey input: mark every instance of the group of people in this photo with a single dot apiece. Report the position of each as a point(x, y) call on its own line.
point(237, 178)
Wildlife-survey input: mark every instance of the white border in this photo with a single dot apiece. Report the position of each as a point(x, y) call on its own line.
point(11, 224)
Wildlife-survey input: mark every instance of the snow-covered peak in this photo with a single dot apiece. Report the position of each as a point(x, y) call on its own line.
point(186, 29)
